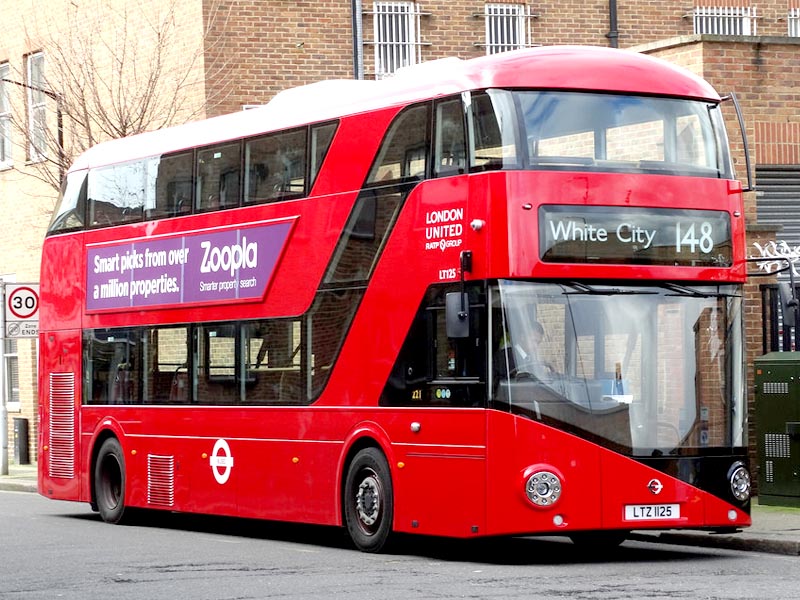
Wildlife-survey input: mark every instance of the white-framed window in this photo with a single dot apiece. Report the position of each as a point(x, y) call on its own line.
point(508, 27)
point(396, 28)
point(725, 20)
point(37, 107)
point(793, 20)
point(12, 374)
point(5, 117)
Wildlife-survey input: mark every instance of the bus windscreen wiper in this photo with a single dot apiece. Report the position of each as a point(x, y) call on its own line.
point(583, 288)
point(682, 290)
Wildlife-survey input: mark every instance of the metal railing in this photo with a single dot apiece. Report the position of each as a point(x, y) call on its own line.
point(725, 20)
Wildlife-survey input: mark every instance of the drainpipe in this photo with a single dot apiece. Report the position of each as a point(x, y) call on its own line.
point(613, 34)
point(358, 41)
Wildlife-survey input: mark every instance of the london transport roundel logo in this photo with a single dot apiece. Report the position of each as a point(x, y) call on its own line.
point(221, 461)
point(655, 486)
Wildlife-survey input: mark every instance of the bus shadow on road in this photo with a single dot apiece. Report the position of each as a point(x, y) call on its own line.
point(533, 550)
point(538, 551)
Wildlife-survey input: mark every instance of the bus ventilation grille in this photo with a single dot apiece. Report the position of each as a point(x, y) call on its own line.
point(160, 480)
point(62, 426)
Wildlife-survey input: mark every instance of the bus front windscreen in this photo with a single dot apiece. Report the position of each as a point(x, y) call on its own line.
point(586, 131)
point(640, 369)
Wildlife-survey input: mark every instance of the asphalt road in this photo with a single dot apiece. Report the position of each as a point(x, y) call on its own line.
point(54, 549)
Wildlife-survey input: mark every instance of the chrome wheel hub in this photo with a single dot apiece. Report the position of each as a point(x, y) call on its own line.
point(368, 500)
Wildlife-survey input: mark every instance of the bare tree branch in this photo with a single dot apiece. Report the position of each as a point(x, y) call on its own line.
point(118, 69)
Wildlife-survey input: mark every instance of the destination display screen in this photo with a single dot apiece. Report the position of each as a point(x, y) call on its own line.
point(620, 235)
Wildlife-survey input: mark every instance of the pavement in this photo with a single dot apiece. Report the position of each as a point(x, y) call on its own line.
point(775, 529)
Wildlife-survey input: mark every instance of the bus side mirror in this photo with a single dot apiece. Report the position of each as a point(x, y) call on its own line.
point(748, 166)
point(457, 315)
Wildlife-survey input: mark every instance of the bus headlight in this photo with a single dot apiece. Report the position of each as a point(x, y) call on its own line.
point(543, 488)
point(739, 479)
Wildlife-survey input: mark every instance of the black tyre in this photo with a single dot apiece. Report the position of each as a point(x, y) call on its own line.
point(109, 481)
point(368, 505)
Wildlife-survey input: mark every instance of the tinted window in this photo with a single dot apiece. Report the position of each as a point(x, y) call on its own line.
point(450, 149)
point(493, 142)
point(168, 365)
point(321, 138)
point(368, 227)
point(117, 193)
point(173, 193)
point(403, 154)
point(434, 370)
point(275, 167)
point(113, 370)
point(217, 182)
point(71, 211)
point(273, 361)
point(614, 132)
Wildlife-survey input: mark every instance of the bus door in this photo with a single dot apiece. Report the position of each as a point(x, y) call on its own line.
point(442, 444)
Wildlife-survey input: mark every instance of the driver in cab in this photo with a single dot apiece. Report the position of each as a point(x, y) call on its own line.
point(515, 361)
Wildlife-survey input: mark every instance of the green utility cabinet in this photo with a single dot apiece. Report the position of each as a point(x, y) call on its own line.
point(777, 415)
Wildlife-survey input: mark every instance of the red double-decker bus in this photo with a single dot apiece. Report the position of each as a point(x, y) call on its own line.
point(499, 296)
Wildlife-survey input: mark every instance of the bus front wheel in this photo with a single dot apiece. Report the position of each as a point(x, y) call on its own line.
point(368, 508)
point(109, 481)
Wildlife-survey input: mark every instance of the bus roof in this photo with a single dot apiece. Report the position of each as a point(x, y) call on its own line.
point(584, 68)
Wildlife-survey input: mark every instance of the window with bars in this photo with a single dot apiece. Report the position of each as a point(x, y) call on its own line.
point(508, 27)
point(37, 107)
point(5, 118)
point(396, 28)
point(12, 373)
point(793, 20)
point(725, 20)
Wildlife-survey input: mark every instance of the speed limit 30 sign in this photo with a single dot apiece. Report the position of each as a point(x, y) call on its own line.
point(22, 310)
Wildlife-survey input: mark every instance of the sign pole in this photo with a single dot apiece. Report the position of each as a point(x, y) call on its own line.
point(18, 319)
point(3, 402)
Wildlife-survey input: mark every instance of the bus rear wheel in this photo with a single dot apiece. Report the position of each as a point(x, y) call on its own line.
point(368, 508)
point(109, 481)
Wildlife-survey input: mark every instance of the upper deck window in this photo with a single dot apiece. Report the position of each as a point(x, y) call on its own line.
point(173, 190)
point(71, 211)
point(275, 167)
point(117, 193)
point(493, 129)
point(279, 166)
point(606, 132)
point(403, 155)
point(218, 177)
point(450, 156)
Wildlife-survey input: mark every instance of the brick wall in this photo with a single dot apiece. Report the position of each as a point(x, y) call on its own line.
point(256, 49)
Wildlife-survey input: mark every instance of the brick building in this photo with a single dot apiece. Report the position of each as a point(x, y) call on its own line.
point(215, 56)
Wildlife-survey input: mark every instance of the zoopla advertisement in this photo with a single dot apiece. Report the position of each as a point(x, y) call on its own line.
point(196, 267)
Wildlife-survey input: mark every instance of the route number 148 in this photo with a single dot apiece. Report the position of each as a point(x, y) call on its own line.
point(690, 239)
